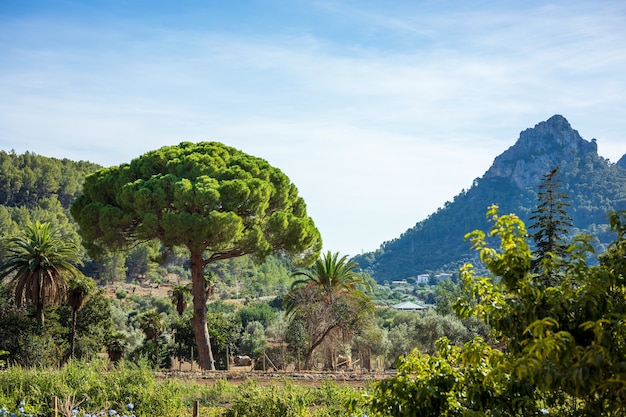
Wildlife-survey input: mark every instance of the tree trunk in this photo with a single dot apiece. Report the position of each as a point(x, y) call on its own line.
point(203, 341)
point(315, 344)
point(40, 316)
point(73, 332)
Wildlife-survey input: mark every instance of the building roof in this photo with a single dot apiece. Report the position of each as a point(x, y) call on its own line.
point(408, 305)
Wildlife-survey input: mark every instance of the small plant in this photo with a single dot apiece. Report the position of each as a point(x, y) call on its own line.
point(21, 411)
point(2, 361)
point(110, 413)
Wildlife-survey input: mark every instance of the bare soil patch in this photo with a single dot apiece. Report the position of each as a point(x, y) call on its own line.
point(310, 378)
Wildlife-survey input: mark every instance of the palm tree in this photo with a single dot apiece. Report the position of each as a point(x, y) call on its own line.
point(179, 295)
point(80, 288)
point(40, 261)
point(333, 275)
point(327, 301)
point(151, 324)
point(116, 346)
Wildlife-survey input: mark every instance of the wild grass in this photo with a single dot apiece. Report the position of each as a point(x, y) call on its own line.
point(97, 387)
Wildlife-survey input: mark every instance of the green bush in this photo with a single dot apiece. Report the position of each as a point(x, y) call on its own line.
point(98, 386)
point(285, 400)
point(91, 387)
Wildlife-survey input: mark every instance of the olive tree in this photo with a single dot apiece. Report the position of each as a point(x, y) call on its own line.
point(214, 200)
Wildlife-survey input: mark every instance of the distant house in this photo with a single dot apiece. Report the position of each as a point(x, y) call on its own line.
point(422, 278)
point(401, 282)
point(408, 306)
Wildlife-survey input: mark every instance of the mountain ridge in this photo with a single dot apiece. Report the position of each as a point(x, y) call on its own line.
point(533, 154)
point(436, 244)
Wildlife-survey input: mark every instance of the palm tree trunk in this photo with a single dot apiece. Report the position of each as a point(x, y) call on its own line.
point(40, 315)
point(203, 341)
point(73, 332)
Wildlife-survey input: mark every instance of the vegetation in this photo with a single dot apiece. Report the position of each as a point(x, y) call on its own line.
point(79, 289)
point(552, 224)
point(327, 305)
point(523, 343)
point(213, 200)
point(39, 263)
point(133, 388)
point(563, 344)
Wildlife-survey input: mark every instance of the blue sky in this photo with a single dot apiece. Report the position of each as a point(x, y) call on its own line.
point(379, 112)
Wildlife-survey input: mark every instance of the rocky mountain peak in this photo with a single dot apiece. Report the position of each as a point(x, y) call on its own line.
point(622, 162)
point(540, 149)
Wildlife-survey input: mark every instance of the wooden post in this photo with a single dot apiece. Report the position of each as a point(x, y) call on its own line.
point(54, 406)
point(196, 408)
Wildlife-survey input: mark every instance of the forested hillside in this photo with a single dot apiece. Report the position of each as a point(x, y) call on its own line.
point(27, 178)
point(34, 187)
point(595, 186)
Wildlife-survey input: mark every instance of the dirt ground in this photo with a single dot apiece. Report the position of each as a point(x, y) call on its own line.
point(310, 379)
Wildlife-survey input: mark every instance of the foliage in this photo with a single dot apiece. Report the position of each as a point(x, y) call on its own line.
point(93, 324)
point(452, 382)
point(254, 342)
point(39, 263)
point(420, 330)
point(79, 289)
point(328, 304)
point(157, 352)
point(259, 311)
point(92, 387)
point(179, 295)
point(214, 200)
point(552, 223)
point(566, 339)
point(28, 178)
point(332, 274)
point(151, 324)
point(36, 188)
point(563, 343)
point(289, 400)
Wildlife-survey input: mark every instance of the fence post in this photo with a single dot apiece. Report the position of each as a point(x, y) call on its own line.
point(54, 406)
point(196, 408)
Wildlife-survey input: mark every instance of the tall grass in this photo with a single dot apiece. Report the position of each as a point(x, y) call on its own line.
point(97, 386)
point(91, 387)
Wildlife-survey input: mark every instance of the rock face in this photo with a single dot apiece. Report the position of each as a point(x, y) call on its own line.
point(538, 150)
point(622, 162)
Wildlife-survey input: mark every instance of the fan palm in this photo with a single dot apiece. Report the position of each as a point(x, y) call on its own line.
point(80, 288)
point(151, 324)
point(179, 295)
point(40, 261)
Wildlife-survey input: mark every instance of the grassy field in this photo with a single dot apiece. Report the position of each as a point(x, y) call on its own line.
point(98, 388)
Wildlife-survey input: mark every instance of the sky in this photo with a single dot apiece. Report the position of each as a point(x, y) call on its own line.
point(379, 112)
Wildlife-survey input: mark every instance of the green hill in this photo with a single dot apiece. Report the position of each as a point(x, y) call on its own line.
point(436, 244)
